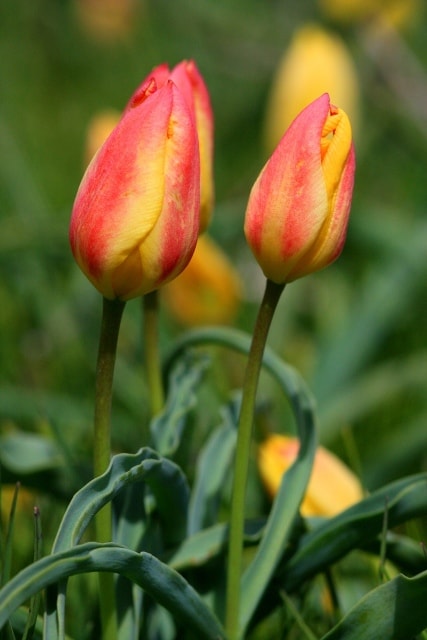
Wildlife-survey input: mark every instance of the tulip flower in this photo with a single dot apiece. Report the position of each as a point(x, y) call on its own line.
point(332, 486)
point(135, 219)
point(208, 291)
point(316, 61)
point(297, 214)
point(188, 79)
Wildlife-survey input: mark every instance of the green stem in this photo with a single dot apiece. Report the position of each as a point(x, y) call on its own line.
point(241, 465)
point(152, 354)
point(112, 311)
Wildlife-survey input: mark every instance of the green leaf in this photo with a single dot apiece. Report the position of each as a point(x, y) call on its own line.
point(28, 453)
point(36, 600)
point(355, 527)
point(168, 485)
point(285, 509)
point(405, 553)
point(163, 584)
point(394, 611)
point(166, 429)
point(165, 479)
point(198, 549)
point(372, 315)
point(286, 505)
point(371, 389)
point(213, 464)
point(6, 546)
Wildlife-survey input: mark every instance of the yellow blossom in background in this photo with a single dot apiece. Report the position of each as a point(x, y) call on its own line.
point(332, 486)
point(23, 522)
point(395, 12)
point(315, 62)
point(208, 291)
point(24, 503)
point(107, 21)
point(98, 130)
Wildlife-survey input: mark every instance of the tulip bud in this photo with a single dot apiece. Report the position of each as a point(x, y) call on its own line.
point(208, 291)
point(332, 486)
point(135, 219)
point(315, 62)
point(297, 214)
point(188, 79)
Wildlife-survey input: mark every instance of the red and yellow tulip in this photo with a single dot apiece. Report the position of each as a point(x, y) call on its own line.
point(332, 486)
point(297, 214)
point(190, 82)
point(135, 219)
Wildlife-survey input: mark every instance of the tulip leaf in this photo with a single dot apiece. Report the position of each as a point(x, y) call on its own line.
point(285, 509)
point(405, 553)
point(213, 464)
point(163, 584)
point(355, 527)
point(166, 429)
point(370, 390)
point(393, 611)
point(345, 352)
point(25, 453)
point(164, 477)
point(168, 486)
point(200, 548)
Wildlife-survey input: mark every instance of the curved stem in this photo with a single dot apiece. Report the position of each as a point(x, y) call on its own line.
point(235, 551)
point(152, 354)
point(112, 311)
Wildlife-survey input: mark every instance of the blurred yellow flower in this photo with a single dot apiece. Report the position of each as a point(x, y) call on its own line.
point(394, 12)
point(24, 503)
point(107, 21)
point(332, 486)
point(208, 291)
point(316, 62)
point(99, 128)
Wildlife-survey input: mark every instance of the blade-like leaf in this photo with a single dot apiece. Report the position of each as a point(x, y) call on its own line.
point(294, 483)
point(197, 550)
point(405, 553)
point(165, 478)
point(28, 453)
point(36, 600)
point(213, 464)
point(285, 509)
point(404, 499)
point(373, 312)
point(394, 611)
point(162, 583)
point(166, 429)
point(168, 485)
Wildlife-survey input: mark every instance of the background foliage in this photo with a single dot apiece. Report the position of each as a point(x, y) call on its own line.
point(356, 332)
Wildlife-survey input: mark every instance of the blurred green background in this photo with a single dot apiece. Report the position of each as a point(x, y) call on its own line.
point(356, 331)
